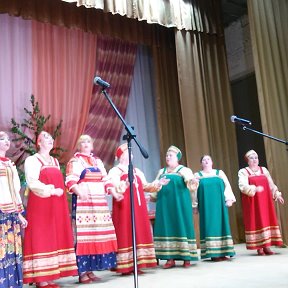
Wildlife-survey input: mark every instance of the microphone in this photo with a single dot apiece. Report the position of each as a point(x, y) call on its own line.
point(241, 121)
point(100, 82)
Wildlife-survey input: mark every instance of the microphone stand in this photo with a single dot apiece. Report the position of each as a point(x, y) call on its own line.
point(265, 135)
point(129, 136)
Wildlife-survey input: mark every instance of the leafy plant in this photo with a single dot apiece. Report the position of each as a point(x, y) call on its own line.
point(27, 133)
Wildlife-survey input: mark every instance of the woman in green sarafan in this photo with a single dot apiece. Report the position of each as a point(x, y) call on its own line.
point(214, 196)
point(174, 236)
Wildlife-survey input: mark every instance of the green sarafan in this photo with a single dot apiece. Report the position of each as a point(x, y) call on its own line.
point(26, 133)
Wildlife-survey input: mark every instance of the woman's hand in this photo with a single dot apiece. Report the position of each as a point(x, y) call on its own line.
point(124, 185)
point(163, 181)
point(57, 192)
point(83, 195)
point(147, 197)
point(195, 181)
point(195, 210)
point(280, 199)
point(118, 196)
point(193, 184)
point(82, 191)
point(229, 203)
point(24, 222)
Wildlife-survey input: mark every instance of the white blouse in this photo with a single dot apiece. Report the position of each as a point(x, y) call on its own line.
point(32, 168)
point(250, 190)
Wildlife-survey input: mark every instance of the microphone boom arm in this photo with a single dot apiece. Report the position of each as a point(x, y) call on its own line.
point(265, 135)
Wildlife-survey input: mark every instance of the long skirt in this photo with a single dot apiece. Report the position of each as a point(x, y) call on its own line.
point(10, 251)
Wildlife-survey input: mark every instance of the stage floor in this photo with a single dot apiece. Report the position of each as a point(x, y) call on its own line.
point(245, 270)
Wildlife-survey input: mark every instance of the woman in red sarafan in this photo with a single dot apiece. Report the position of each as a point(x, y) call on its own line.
point(122, 217)
point(258, 192)
point(48, 243)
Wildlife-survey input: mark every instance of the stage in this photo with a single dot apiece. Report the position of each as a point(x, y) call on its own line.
point(245, 270)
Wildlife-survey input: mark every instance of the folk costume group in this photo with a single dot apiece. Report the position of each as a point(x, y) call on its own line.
point(97, 240)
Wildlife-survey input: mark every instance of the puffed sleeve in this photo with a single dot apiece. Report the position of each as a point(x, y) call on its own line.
point(17, 186)
point(16, 180)
point(115, 175)
point(191, 182)
point(243, 183)
point(32, 168)
point(73, 172)
point(274, 189)
point(228, 193)
point(141, 175)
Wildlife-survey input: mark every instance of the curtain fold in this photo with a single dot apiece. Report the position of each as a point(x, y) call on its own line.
point(206, 106)
point(114, 64)
point(269, 22)
point(187, 15)
point(63, 71)
point(168, 106)
point(15, 73)
point(141, 114)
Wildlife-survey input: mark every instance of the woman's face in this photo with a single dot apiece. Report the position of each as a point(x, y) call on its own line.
point(206, 162)
point(4, 142)
point(171, 159)
point(86, 146)
point(253, 160)
point(45, 141)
